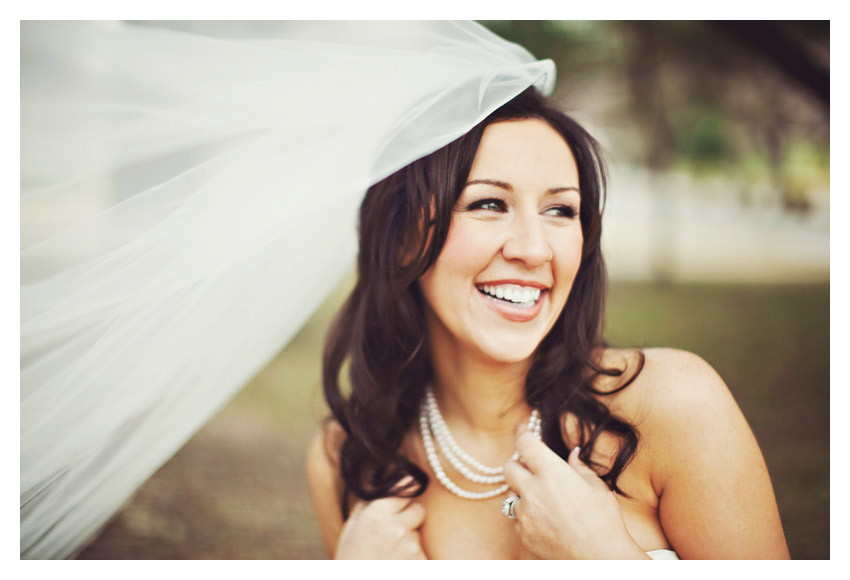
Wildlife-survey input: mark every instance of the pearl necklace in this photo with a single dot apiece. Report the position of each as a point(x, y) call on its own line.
point(433, 427)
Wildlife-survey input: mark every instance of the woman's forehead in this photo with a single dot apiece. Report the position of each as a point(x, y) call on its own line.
point(528, 150)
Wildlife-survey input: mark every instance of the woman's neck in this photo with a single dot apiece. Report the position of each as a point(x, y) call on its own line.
point(485, 396)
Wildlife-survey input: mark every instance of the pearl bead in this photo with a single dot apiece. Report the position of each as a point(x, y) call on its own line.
point(432, 426)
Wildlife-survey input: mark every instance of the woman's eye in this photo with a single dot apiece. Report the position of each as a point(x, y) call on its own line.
point(487, 205)
point(566, 211)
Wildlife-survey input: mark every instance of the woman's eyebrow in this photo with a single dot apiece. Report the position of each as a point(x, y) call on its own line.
point(508, 187)
point(500, 184)
point(554, 190)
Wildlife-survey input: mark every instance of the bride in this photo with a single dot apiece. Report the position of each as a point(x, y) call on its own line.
point(477, 410)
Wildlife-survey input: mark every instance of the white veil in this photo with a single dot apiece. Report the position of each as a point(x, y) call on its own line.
point(188, 198)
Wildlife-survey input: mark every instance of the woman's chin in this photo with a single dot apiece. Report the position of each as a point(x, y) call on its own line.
point(509, 352)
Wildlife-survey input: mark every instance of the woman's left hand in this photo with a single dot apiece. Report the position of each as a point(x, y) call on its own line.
point(565, 510)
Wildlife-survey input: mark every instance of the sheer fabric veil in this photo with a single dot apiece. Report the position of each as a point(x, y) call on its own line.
point(188, 198)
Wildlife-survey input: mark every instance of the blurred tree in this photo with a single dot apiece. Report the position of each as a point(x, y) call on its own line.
point(800, 49)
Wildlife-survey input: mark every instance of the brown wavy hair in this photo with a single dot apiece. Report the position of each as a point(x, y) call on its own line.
point(379, 336)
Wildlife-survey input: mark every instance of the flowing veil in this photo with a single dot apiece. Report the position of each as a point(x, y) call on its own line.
point(189, 196)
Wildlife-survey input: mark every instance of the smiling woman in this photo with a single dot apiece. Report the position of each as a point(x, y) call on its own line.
point(475, 357)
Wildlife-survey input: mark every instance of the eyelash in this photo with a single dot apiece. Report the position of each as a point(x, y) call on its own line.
point(476, 205)
point(565, 211)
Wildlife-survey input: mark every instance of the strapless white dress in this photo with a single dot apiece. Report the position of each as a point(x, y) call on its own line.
point(663, 555)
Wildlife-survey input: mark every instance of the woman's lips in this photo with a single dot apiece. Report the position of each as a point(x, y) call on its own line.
point(513, 312)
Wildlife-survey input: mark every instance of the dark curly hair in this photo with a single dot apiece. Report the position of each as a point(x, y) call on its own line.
point(380, 332)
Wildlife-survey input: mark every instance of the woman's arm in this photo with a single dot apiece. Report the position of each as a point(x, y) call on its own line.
point(325, 484)
point(716, 499)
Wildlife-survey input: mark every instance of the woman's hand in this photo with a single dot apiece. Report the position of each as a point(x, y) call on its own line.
point(383, 529)
point(565, 511)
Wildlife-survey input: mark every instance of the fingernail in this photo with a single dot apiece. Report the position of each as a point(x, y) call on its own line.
point(403, 482)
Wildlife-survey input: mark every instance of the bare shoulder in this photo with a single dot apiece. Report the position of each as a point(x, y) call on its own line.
point(682, 377)
point(325, 482)
point(676, 400)
point(665, 385)
point(677, 392)
point(704, 462)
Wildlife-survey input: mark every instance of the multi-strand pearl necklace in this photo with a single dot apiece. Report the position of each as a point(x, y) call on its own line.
point(433, 427)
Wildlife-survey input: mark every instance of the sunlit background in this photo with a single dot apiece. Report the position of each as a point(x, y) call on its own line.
point(717, 241)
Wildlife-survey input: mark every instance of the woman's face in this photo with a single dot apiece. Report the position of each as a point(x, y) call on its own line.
point(513, 248)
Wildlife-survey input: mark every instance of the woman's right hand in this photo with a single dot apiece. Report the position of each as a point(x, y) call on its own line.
point(382, 529)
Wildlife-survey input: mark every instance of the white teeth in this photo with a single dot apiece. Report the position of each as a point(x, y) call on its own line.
point(513, 293)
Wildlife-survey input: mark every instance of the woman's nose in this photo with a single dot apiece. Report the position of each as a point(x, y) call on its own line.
point(527, 242)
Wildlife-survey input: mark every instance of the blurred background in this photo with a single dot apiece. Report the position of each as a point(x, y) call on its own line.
point(717, 240)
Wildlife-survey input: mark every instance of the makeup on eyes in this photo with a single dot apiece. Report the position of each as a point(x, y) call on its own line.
point(498, 204)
